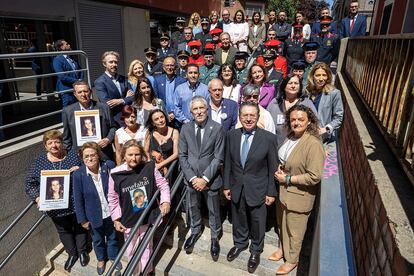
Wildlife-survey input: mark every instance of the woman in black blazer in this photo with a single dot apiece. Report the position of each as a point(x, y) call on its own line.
point(91, 203)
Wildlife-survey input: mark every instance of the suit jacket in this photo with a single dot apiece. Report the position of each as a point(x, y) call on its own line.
point(305, 162)
point(257, 176)
point(204, 162)
point(161, 56)
point(65, 81)
point(87, 202)
point(159, 89)
point(331, 110)
point(360, 27)
point(230, 56)
point(231, 109)
point(108, 126)
point(256, 40)
point(106, 90)
point(184, 46)
point(156, 69)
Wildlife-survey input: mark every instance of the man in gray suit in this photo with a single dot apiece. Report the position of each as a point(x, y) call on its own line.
point(201, 154)
point(226, 53)
point(82, 93)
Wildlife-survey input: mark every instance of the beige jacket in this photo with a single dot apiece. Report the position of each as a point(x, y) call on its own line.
point(306, 163)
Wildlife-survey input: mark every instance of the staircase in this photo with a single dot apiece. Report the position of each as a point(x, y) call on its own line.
point(172, 260)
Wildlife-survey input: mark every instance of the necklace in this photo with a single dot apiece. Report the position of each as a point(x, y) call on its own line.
point(59, 166)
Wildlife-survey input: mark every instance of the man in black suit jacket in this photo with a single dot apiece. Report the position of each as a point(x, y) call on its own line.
point(201, 154)
point(112, 88)
point(82, 93)
point(250, 162)
point(166, 50)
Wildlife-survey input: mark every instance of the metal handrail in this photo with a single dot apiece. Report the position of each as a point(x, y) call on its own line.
point(150, 232)
point(19, 244)
point(17, 219)
point(16, 79)
point(138, 224)
point(164, 234)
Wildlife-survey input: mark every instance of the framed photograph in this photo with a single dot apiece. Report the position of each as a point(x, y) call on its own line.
point(54, 189)
point(139, 199)
point(88, 126)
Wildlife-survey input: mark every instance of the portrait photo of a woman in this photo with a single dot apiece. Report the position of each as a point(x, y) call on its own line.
point(88, 126)
point(54, 188)
point(139, 199)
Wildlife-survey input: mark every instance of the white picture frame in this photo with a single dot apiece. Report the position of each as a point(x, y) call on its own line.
point(88, 126)
point(54, 189)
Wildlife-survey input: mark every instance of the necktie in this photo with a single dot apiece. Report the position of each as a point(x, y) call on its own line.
point(245, 149)
point(352, 25)
point(198, 137)
point(117, 84)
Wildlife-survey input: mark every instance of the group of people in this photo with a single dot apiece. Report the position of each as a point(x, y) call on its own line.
point(248, 110)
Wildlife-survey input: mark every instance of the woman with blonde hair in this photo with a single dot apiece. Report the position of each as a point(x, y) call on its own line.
point(327, 100)
point(122, 198)
point(214, 21)
point(136, 71)
point(195, 23)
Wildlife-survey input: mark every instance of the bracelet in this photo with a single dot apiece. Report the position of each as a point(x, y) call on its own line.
point(288, 180)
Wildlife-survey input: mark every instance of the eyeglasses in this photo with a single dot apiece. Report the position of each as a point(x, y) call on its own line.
point(188, 33)
point(90, 156)
point(255, 97)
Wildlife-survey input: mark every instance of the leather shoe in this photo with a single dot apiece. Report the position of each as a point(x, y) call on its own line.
point(285, 268)
point(190, 242)
point(70, 262)
point(215, 249)
point(253, 262)
point(234, 253)
point(276, 256)
point(84, 258)
point(101, 269)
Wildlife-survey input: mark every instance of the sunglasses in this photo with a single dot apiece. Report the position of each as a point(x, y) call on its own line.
point(255, 97)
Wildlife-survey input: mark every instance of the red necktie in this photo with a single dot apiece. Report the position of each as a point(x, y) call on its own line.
point(352, 25)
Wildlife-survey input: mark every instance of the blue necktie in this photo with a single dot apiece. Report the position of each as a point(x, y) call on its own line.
point(245, 148)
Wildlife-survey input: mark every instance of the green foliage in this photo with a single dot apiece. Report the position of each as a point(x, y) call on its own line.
point(311, 8)
point(289, 6)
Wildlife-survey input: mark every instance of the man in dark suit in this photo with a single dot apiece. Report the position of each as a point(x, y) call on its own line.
point(226, 53)
point(250, 162)
point(204, 36)
point(223, 111)
point(152, 66)
point(164, 87)
point(112, 88)
point(64, 63)
point(316, 26)
point(282, 28)
point(201, 154)
point(183, 57)
point(165, 50)
point(177, 37)
point(188, 36)
point(82, 93)
point(355, 24)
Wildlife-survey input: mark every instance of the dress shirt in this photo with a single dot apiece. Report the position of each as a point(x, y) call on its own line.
point(169, 94)
point(350, 21)
point(202, 135)
point(216, 114)
point(182, 99)
point(88, 108)
point(244, 137)
point(224, 54)
point(115, 81)
point(70, 61)
point(99, 188)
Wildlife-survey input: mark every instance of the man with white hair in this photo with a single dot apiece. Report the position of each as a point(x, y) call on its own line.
point(201, 154)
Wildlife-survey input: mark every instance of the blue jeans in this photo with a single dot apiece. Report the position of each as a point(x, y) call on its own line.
point(105, 242)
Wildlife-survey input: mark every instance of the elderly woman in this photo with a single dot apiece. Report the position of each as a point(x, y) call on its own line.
point(91, 202)
point(136, 173)
point(145, 100)
point(257, 76)
point(299, 175)
point(161, 141)
point(239, 31)
point(251, 94)
point(290, 95)
point(136, 71)
point(231, 88)
point(72, 235)
point(131, 130)
point(327, 100)
point(257, 32)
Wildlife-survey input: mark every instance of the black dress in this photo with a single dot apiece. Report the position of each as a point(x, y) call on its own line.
point(166, 149)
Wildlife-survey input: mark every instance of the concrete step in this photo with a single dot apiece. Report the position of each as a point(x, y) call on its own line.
point(56, 261)
point(177, 238)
